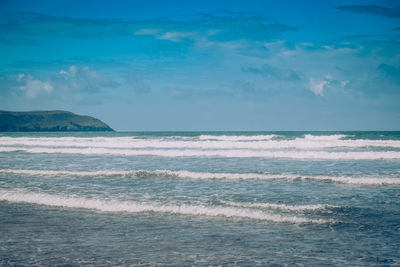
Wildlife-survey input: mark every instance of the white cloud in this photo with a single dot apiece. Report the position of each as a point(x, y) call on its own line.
point(82, 79)
point(33, 88)
point(318, 86)
point(344, 83)
point(175, 36)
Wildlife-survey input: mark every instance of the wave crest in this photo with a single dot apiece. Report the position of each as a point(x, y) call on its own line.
point(183, 174)
point(204, 142)
point(280, 206)
point(137, 207)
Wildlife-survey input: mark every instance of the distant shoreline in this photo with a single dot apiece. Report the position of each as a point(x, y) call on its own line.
point(49, 121)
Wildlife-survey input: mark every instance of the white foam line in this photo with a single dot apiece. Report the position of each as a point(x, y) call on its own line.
point(183, 174)
point(293, 154)
point(70, 173)
point(137, 207)
point(359, 181)
point(325, 137)
point(279, 206)
point(238, 137)
point(159, 173)
point(298, 143)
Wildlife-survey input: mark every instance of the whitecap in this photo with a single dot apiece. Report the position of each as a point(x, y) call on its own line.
point(184, 174)
point(102, 205)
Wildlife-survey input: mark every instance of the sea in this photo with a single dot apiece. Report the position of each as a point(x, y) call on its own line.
point(200, 199)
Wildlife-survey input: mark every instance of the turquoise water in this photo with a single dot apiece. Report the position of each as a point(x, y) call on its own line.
point(200, 198)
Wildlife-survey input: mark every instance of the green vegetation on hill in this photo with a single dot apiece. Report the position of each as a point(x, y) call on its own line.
point(49, 121)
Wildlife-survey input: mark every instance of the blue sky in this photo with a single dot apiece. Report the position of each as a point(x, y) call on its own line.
point(206, 65)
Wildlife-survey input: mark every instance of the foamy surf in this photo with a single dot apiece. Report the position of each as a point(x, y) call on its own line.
point(294, 154)
point(238, 137)
point(279, 206)
point(137, 207)
point(222, 142)
point(325, 137)
point(183, 174)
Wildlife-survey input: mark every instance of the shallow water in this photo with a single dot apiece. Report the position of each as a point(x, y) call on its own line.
point(204, 198)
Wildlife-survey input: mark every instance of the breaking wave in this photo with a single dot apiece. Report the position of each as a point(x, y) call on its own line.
point(137, 207)
point(280, 206)
point(203, 142)
point(183, 174)
point(238, 137)
point(234, 153)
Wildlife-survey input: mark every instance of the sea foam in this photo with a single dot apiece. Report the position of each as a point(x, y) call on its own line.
point(184, 174)
point(280, 206)
point(238, 137)
point(233, 153)
point(21, 196)
point(224, 142)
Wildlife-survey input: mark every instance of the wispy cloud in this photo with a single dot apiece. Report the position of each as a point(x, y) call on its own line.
point(221, 26)
point(135, 83)
point(269, 71)
point(391, 72)
point(83, 79)
point(243, 87)
point(75, 82)
point(390, 12)
point(147, 31)
point(35, 24)
point(176, 36)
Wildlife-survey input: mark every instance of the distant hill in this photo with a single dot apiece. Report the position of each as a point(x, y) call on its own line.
point(49, 121)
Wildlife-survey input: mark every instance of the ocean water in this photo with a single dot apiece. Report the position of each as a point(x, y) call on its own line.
point(200, 198)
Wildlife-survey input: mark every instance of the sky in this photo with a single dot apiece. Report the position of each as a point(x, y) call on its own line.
point(205, 65)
